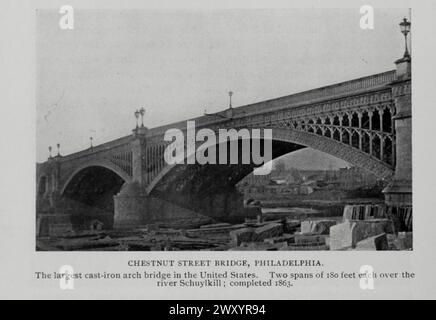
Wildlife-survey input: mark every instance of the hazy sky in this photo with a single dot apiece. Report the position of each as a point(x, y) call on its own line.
point(178, 63)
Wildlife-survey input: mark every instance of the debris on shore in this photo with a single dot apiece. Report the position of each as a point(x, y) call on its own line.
point(350, 232)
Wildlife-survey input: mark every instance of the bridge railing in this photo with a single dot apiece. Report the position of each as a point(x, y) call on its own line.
point(337, 90)
point(99, 148)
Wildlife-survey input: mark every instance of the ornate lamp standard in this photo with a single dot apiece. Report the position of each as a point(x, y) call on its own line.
point(139, 130)
point(49, 152)
point(58, 145)
point(142, 112)
point(405, 29)
point(90, 140)
point(226, 114)
point(137, 117)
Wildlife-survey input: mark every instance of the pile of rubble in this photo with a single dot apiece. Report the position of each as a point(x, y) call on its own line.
point(282, 235)
point(362, 227)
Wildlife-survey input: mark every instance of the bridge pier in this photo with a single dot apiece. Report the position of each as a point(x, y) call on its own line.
point(133, 208)
point(398, 194)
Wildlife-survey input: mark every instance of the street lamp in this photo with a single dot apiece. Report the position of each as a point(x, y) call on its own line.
point(49, 151)
point(405, 29)
point(90, 140)
point(137, 117)
point(230, 97)
point(58, 145)
point(142, 112)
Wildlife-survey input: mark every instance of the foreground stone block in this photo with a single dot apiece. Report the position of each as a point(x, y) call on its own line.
point(317, 226)
point(268, 231)
point(347, 234)
point(241, 235)
point(369, 228)
point(341, 236)
point(378, 242)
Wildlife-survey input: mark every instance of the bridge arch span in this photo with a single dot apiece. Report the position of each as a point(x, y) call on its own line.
point(301, 139)
point(97, 163)
point(88, 194)
point(331, 146)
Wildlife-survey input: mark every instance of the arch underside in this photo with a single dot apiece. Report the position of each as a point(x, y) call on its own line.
point(182, 182)
point(88, 196)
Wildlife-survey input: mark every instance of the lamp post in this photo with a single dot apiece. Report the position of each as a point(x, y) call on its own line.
point(58, 145)
point(49, 152)
point(405, 29)
point(230, 99)
point(137, 117)
point(90, 140)
point(142, 112)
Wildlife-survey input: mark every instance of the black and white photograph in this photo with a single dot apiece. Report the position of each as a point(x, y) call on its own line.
point(224, 130)
point(218, 158)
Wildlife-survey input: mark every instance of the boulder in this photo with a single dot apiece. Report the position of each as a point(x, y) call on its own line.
point(270, 230)
point(317, 226)
point(378, 242)
point(241, 235)
point(341, 235)
point(369, 228)
point(347, 234)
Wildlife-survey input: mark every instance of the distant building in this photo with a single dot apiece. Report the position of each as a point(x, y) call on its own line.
point(354, 177)
point(255, 180)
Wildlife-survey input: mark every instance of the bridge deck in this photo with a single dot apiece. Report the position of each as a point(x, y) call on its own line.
point(334, 91)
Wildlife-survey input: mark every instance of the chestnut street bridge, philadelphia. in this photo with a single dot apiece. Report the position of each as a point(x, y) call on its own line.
point(126, 182)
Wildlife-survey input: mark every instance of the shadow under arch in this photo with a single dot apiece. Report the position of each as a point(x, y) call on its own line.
point(88, 195)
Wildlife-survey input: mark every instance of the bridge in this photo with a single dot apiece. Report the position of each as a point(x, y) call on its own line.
point(126, 182)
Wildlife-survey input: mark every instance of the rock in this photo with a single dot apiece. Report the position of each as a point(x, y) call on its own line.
point(378, 242)
point(283, 238)
point(369, 228)
point(241, 235)
point(310, 239)
point(341, 235)
point(347, 234)
point(268, 231)
point(317, 226)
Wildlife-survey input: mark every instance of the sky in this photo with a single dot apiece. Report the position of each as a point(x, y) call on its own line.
point(177, 63)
